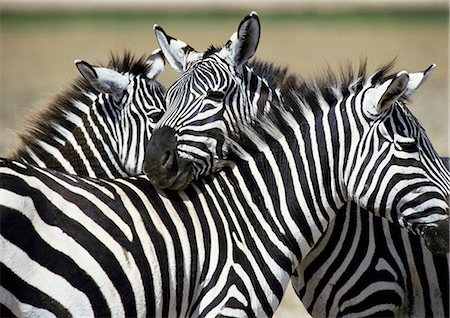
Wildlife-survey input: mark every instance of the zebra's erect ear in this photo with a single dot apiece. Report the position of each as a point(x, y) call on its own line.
point(156, 61)
point(103, 79)
point(380, 98)
point(403, 85)
point(177, 53)
point(416, 79)
point(393, 92)
point(243, 43)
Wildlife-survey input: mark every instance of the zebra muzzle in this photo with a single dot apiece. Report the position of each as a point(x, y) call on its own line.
point(162, 165)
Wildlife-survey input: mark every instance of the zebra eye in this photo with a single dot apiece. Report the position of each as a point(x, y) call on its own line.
point(215, 96)
point(156, 116)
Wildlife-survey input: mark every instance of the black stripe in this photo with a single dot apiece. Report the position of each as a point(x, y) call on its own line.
point(52, 216)
point(221, 248)
point(249, 241)
point(30, 242)
point(28, 294)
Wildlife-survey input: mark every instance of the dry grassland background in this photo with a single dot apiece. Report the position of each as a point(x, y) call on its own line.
point(38, 50)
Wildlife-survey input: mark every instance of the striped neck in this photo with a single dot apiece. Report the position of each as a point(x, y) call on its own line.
point(100, 125)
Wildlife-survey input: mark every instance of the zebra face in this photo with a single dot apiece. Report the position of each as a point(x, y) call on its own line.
point(191, 139)
point(132, 102)
point(404, 175)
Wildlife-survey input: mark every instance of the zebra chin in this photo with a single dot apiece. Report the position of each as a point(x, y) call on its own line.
point(177, 182)
point(175, 176)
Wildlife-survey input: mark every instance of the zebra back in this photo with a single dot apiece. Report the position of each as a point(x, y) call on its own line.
point(121, 247)
point(99, 126)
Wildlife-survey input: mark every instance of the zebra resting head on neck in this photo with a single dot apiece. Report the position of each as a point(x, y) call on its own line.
point(336, 139)
point(100, 125)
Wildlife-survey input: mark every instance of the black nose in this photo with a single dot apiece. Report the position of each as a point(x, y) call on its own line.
point(160, 160)
point(437, 237)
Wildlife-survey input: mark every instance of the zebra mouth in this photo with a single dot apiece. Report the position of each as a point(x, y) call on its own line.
point(180, 181)
point(163, 165)
point(170, 180)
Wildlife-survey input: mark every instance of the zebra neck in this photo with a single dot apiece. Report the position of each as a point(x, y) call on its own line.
point(259, 91)
point(74, 143)
point(290, 185)
point(296, 165)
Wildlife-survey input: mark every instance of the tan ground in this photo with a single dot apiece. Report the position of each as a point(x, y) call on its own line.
point(37, 61)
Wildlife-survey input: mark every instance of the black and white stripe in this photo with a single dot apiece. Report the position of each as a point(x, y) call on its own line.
point(100, 125)
point(337, 139)
point(74, 246)
point(227, 245)
point(366, 266)
point(347, 138)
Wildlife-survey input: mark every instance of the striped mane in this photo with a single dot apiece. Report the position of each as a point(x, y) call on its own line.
point(299, 93)
point(43, 124)
point(326, 83)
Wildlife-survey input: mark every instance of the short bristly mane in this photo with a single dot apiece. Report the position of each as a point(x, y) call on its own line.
point(298, 93)
point(41, 125)
point(324, 84)
point(129, 63)
point(274, 75)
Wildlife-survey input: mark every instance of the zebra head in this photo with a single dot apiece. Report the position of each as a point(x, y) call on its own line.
point(204, 105)
point(394, 167)
point(132, 101)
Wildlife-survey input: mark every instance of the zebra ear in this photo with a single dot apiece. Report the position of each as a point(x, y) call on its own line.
point(394, 90)
point(404, 84)
point(104, 79)
point(416, 79)
point(156, 61)
point(243, 43)
point(177, 53)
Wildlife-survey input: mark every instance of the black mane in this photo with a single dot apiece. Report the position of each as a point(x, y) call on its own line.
point(274, 75)
point(211, 50)
point(323, 83)
point(129, 63)
point(40, 125)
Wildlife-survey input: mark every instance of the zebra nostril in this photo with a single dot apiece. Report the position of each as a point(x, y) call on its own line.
point(167, 159)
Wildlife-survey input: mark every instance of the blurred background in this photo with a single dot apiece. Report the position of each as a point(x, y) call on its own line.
point(39, 40)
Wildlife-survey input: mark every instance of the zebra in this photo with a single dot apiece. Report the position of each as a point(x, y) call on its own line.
point(118, 248)
point(113, 246)
point(122, 223)
point(207, 94)
point(98, 127)
point(337, 142)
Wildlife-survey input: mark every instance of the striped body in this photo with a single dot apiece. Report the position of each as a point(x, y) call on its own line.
point(226, 245)
point(366, 266)
point(120, 248)
point(100, 125)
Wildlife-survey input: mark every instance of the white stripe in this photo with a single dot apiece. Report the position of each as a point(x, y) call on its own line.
point(107, 211)
point(35, 158)
point(124, 257)
point(20, 309)
point(55, 286)
point(55, 153)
